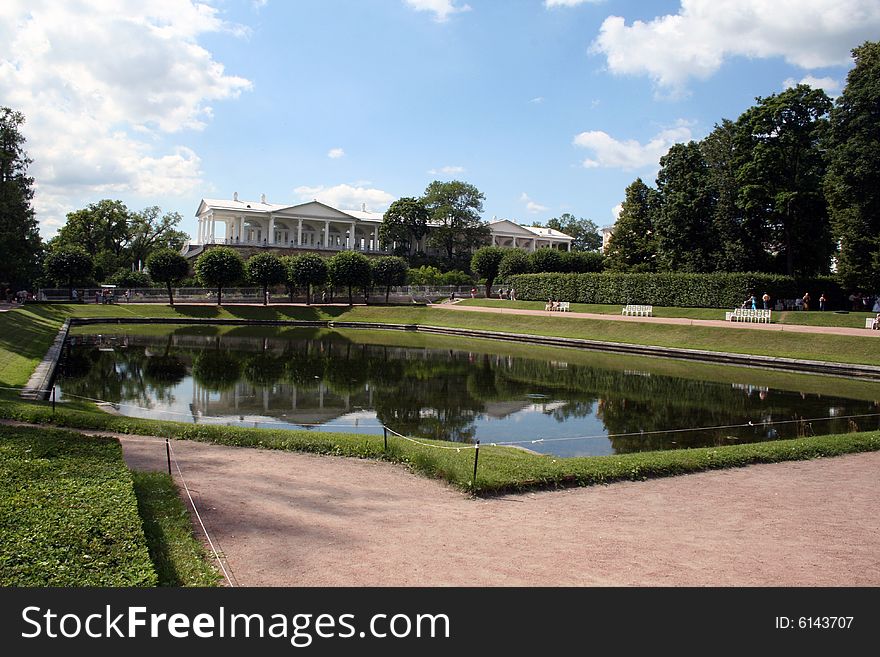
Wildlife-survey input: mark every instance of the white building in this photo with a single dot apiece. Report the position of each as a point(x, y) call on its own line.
point(315, 225)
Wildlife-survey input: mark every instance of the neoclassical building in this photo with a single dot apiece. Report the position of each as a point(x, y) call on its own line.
point(317, 226)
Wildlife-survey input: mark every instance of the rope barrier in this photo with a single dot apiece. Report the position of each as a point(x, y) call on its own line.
point(418, 442)
point(199, 516)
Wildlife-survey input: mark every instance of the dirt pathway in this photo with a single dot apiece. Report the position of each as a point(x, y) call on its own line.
point(788, 328)
point(289, 519)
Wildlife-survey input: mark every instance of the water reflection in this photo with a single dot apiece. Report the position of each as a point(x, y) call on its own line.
point(327, 382)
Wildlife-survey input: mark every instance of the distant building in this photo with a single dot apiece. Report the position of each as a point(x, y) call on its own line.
point(316, 226)
point(607, 232)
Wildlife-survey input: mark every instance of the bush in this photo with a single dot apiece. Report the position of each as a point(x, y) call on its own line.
point(456, 277)
point(717, 290)
point(581, 262)
point(126, 278)
point(545, 260)
point(515, 261)
point(425, 275)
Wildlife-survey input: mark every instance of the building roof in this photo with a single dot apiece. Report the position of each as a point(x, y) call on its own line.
point(538, 231)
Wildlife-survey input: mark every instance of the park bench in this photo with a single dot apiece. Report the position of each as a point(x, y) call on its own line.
point(748, 315)
point(562, 306)
point(638, 311)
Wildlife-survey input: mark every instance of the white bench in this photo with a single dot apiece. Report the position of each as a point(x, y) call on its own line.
point(638, 311)
point(748, 315)
point(869, 322)
point(561, 306)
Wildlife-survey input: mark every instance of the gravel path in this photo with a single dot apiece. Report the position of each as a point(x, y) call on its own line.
point(289, 519)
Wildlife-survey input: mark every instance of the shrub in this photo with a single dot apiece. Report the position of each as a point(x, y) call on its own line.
point(219, 267)
point(515, 261)
point(545, 260)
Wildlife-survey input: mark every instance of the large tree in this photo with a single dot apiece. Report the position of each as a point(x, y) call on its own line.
point(633, 245)
point(454, 209)
point(485, 263)
point(781, 183)
point(68, 266)
point(265, 269)
point(852, 182)
point(404, 224)
point(683, 224)
point(219, 267)
point(20, 244)
point(307, 270)
point(167, 266)
point(102, 229)
point(350, 269)
point(149, 229)
point(585, 232)
point(389, 271)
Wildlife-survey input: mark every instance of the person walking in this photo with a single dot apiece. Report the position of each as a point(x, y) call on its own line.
point(822, 301)
point(806, 299)
point(766, 300)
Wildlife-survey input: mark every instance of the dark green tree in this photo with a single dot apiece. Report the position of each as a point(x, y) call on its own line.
point(454, 209)
point(404, 224)
point(69, 266)
point(149, 229)
point(545, 260)
point(102, 229)
point(852, 182)
point(265, 269)
point(585, 232)
point(485, 262)
point(219, 267)
point(579, 262)
point(389, 271)
point(683, 224)
point(307, 271)
point(20, 243)
point(167, 266)
point(514, 261)
point(781, 183)
point(350, 269)
point(633, 245)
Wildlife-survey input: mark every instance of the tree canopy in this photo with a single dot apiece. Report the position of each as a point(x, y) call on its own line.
point(454, 209)
point(20, 243)
point(350, 269)
point(219, 267)
point(389, 271)
point(404, 224)
point(307, 270)
point(265, 269)
point(585, 232)
point(167, 266)
point(69, 266)
point(485, 263)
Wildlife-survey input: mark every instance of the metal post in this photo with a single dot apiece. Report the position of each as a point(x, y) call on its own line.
point(385, 429)
point(168, 454)
point(53, 400)
point(476, 459)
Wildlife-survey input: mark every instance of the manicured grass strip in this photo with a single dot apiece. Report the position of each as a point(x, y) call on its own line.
point(24, 339)
point(68, 514)
point(500, 468)
point(179, 559)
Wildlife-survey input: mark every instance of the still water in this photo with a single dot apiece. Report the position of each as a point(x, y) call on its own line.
point(557, 402)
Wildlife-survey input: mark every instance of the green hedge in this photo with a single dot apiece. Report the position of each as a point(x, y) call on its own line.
point(719, 290)
point(68, 513)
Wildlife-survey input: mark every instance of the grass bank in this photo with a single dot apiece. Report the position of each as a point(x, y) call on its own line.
point(500, 469)
point(68, 513)
point(833, 348)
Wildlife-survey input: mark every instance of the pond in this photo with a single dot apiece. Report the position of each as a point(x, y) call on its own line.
point(556, 401)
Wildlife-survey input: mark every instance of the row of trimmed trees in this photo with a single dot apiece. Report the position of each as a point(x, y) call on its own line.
point(495, 262)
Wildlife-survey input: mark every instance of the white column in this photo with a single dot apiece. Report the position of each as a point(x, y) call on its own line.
point(299, 231)
point(569, 246)
point(326, 234)
point(534, 243)
point(241, 229)
point(351, 240)
point(375, 238)
point(493, 239)
point(199, 232)
point(271, 229)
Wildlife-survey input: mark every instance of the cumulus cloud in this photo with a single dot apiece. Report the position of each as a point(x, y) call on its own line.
point(346, 197)
point(616, 210)
point(695, 42)
point(537, 100)
point(531, 206)
point(335, 153)
point(629, 154)
point(102, 85)
point(829, 84)
point(442, 9)
point(447, 171)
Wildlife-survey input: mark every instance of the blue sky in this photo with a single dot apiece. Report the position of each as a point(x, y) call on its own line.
point(547, 106)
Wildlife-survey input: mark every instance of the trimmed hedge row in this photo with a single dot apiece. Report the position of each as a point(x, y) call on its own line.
point(717, 290)
point(68, 514)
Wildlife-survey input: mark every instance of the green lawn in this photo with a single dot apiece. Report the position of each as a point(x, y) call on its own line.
point(68, 514)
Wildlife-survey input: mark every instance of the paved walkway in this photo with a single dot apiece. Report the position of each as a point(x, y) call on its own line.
point(788, 328)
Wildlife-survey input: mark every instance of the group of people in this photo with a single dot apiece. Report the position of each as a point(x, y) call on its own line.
point(507, 294)
point(552, 304)
point(801, 303)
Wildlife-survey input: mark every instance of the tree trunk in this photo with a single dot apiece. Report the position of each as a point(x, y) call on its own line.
point(170, 296)
point(387, 292)
point(265, 295)
point(219, 295)
point(350, 301)
point(309, 294)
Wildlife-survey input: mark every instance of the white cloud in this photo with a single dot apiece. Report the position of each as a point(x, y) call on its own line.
point(611, 153)
point(346, 197)
point(568, 3)
point(616, 210)
point(447, 170)
point(830, 85)
point(531, 206)
point(102, 85)
point(335, 153)
point(695, 42)
point(537, 100)
point(259, 4)
point(442, 9)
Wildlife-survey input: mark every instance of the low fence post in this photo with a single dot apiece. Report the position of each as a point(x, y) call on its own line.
point(168, 454)
point(385, 430)
point(53, 400)
point(476, 460)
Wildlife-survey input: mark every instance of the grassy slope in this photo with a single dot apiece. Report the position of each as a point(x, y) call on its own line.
point(68, 514)
point(835, 348)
